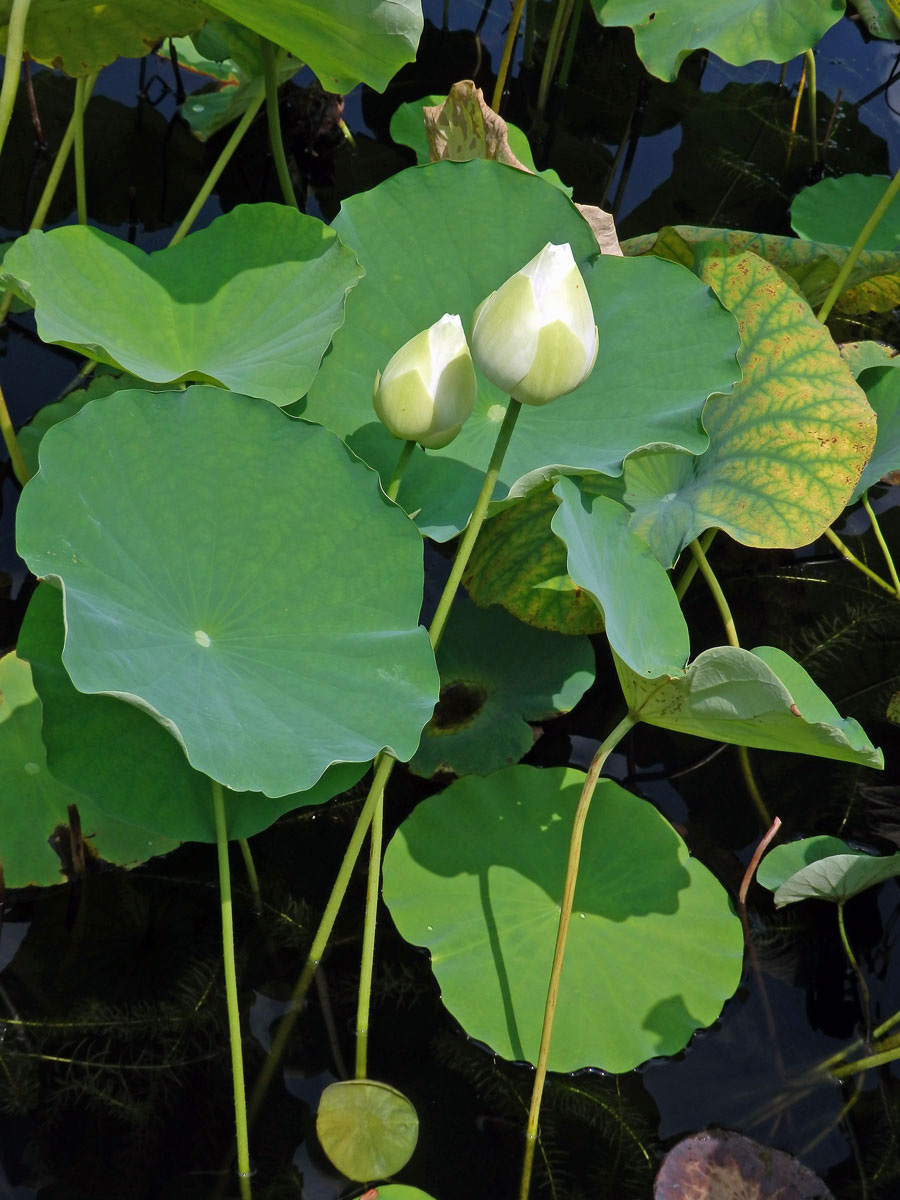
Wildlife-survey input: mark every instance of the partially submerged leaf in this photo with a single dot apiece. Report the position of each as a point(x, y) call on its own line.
point(368, 1129)
point(721, 1165)
point(33, 805)
point(239, 626)
point(497, 675)
point(278, 276)
point(749, 698)
point(654, 946)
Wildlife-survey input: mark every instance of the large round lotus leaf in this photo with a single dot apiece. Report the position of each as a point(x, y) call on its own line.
point(344, 41)
point(642, 616)
point(873, 285)
point(761, 698)
point(740, 31)
point(476, 875)
point(93, 743)
point(367, 1129)
point(786, 449)
point(250, 302)
point(81, 36)
point(665, 342)
point(520, 563)
point(497, 675)
point(34, 806)
point(835, 210)
point(240, 575)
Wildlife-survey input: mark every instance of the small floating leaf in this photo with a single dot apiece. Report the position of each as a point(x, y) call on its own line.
point(721, 1165)
point(367, 1129)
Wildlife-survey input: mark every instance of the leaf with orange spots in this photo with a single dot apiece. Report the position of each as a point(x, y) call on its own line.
point(809, 267)
point(786, 448)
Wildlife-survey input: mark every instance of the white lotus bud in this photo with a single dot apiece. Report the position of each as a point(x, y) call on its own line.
point(535, 336)
point(427, 390)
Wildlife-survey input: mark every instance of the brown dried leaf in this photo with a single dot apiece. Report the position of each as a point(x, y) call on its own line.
point(720, 1165)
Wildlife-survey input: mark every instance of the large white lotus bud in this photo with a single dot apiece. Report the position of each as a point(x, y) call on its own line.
point(427, 390)
point(535, 336)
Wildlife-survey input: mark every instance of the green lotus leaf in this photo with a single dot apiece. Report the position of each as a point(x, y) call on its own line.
point(782, 862)
point(81, 36)
point(786, 449)
point(835, 210)
point(267, 636)
point(476, 875)
point(878, 376)
point(880, 21)
point(520, 563)
point(401, 1191)
point(230, 54)
point(250, 302)
point(810, 267)
point(34, 806)
point(642, 616)
point(760, 698)
point(367, 1129)
point(740, 31)
point(837, 878)
point(345, 41)
point(497, 675)
point(93, 743)
point(29, 436)
point(666, 343)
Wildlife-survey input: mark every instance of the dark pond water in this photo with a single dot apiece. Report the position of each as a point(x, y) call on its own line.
point(115, 1073)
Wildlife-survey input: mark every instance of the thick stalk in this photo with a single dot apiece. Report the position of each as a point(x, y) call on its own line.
point(376, 836)
point(220, 164)
point(879, 537)
point(15, 41)
point(271, 58)
point(528, 41)
point(562, 933)
point(383, 767)
point(9, 436)
point(731, 634)
point(80, 185)
point(394, 486)
point(467, 543)
point(690, 570)
point(857, 248)
point(569, 53)
point(506, 58)
point(848, 554)
point(231, 994)
point(811, 101)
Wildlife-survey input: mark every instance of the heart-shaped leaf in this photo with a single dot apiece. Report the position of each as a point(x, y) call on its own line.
point(476, 874)
point(344, 41)
point(642, 616)
point(93, 743)
point(761, 698)
point(835, 210)
point(496, 675)
point(250, 302)
point(34, 807)
point(665, 343)
point(823, 869)
point(786, 449)
point(81, 36)
point(268, 636)
point(740, 31)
